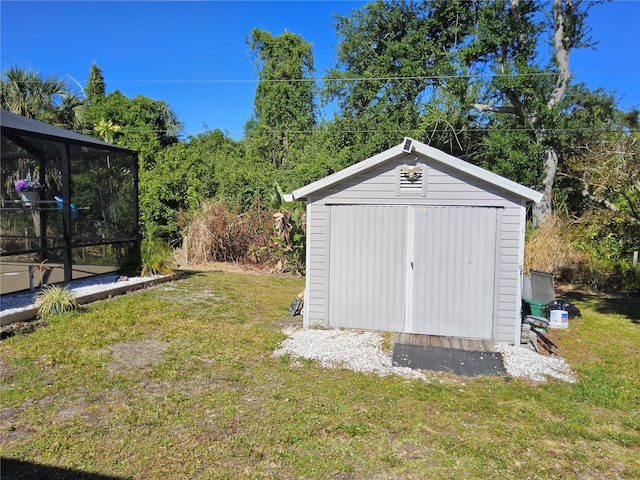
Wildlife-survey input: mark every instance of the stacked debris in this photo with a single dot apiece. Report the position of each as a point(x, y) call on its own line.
point(538, 308)
point(537, 337)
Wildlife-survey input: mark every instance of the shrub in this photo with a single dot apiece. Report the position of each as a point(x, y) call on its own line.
point(290, 238)
point(548, 249)
point(53, 300)
point(218, 233)
point(573, 253)
point(157, 256)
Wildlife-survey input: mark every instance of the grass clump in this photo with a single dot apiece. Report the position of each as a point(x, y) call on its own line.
point(549, 249)
point(53, 300)
point(219, 233)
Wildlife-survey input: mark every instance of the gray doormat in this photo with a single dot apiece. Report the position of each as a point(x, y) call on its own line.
point(451, 360)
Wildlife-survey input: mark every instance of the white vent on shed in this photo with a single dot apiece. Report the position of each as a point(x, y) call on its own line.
point(411, 180)
point(411, 177)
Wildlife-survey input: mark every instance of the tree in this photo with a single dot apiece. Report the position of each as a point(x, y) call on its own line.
point(71, 113)
point(482, 63)
point(144, 125)
point(390, 63)
point(207, 166)
point(605, 174)
point(96, 86)
point(47, 99)
point(522, 84)
point(284, 108)
point(106, 130)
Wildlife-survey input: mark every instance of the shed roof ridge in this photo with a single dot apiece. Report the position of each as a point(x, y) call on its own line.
point(427, 151)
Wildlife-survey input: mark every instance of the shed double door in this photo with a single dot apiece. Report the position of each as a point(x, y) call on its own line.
point(415, 269)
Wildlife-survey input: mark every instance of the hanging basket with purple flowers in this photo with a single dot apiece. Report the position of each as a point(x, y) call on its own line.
point(27, 185)
point(28, 190)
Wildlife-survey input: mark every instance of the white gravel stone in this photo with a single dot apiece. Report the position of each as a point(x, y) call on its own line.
point(349, 349)
point(363, 352)
point(525, 363)
point(15, 302)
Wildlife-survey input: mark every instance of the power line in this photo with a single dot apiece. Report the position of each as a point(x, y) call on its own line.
point(363, 79)
point(403, 130)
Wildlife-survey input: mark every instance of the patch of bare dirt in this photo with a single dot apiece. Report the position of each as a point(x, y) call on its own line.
point(8, 370)
point(234, 267)
point(139, 354)
point(11, 427)
point(228, 267)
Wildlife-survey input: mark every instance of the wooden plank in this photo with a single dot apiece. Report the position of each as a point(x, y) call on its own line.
point(477, 346)
point(489, 346)
point(440, 341)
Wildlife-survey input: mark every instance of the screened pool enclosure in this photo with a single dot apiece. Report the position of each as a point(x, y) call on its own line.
point(69, 205)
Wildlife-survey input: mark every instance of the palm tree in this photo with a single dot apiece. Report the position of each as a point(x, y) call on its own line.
point(49, 99)
point(106, 129)
point(28, 93)
point(71, 113)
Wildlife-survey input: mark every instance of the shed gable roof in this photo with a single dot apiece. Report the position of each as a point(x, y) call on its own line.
point(429, 152)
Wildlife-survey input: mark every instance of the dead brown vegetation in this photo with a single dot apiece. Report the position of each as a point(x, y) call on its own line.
point(217, 233)
point(549, 249)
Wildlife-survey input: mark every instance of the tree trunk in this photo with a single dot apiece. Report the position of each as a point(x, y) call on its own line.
point(544, 207)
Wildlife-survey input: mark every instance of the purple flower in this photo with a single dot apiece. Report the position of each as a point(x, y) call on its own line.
point(27, 185)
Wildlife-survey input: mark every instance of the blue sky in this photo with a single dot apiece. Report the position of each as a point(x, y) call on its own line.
point(194, 55)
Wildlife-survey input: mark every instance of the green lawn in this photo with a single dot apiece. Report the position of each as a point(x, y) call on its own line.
point(178, 382)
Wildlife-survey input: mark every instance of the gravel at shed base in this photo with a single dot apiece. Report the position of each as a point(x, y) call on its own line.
point(357, 351)
point(363, 352)
point(525, 363)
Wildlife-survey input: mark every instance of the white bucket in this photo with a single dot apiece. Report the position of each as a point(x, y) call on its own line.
point(559, 319)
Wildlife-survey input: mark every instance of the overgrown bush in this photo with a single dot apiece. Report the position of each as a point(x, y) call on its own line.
point(157, 256)
point(574, 254)
point(272, 237)
point(53, 300)
point(219, 233)
point(548, 249)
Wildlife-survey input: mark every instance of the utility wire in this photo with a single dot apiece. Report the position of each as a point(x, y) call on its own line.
point(372, 79)
point(364, 79)
point(429, 130)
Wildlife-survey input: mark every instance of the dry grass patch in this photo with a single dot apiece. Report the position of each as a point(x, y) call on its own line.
point(548, 249)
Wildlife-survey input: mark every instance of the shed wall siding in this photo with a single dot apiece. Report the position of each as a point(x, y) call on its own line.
point(317, 283)
point(445, 186)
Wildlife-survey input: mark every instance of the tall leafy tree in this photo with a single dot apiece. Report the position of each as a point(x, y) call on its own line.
point(390, 62)
point(141, 123)
point(284, 108)
point(480, 72)
point(528, 82)
point(96, 86)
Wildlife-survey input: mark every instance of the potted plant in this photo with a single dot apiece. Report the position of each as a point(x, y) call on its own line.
point(28, 190)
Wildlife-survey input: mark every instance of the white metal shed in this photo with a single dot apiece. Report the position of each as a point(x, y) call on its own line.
point(414, 240)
